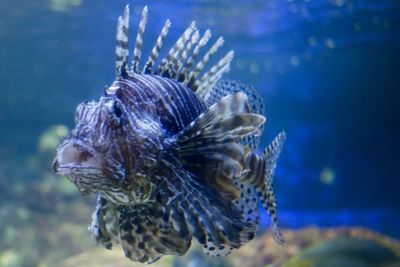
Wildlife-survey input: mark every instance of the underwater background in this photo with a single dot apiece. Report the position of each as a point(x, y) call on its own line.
point(329, 71)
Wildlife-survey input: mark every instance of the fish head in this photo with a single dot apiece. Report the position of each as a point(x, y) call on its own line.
point(94, 154)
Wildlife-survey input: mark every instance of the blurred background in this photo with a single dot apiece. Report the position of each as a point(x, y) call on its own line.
point(329, 71)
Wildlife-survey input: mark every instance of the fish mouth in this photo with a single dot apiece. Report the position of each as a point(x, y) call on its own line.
point(80, 164)
point(75, 158)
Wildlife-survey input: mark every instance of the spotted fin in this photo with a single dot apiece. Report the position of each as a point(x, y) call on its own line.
point(225, 121)
point(208, 147)
point(214, 220)
point(262, 168)
point(147, 234)
point(271, 154)
point(180, 62)
point(247, 203)
point(256, 103)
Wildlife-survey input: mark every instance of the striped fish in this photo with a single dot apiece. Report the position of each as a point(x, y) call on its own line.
point(170, 149)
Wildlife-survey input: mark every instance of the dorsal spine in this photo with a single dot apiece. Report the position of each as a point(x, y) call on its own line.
point(180, 62)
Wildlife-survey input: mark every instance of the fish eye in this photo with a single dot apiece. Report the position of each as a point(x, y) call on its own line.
point(117, 111)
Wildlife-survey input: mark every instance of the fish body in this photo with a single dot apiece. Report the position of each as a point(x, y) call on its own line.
point(172, 156)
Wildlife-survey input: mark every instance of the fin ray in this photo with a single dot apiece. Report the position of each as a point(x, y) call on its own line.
point(147, 234)
point(168, 62)
point(157, 47)
point(255, 101)
point(213, 220)
point(121, 48)
point(208, 80)
point(137, 52)
point(271, 154)
point(178, 62)
point(191, 79)
point(185, 53)
point(195, 52)
point(262, 169)
point(232, 104)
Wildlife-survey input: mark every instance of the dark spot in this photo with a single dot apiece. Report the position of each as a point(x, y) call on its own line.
point(84, 156)
point(158, 198)
point(127, 227)
point(250, 235)
point(124, 73)
point(117, 111)
point(129, 238)
point(140, 229)
point(248, 191)
point(201, 238)
point(134, 221)
point(141, 245)
point(211, 248)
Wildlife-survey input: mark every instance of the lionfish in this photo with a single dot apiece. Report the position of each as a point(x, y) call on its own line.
point(172, 155)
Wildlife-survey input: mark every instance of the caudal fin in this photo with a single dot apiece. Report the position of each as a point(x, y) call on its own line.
point(266, 193)
point(260, 174)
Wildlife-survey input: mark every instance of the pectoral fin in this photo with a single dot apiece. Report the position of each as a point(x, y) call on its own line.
point(208, 146)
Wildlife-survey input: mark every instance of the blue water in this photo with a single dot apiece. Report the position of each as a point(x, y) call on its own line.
point(329, 72)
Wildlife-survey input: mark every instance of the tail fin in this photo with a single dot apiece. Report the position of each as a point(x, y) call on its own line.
point(261, 171)
point(267, 196)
